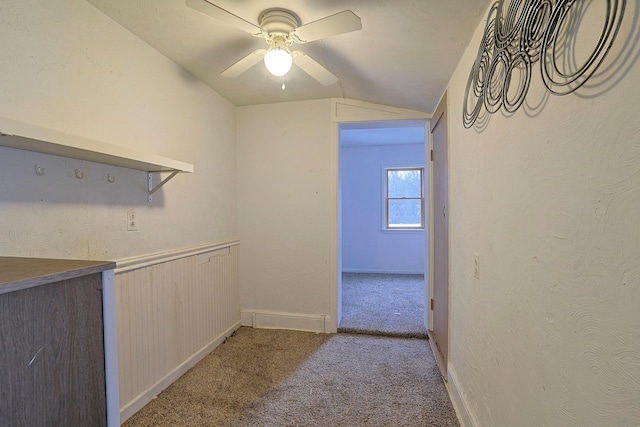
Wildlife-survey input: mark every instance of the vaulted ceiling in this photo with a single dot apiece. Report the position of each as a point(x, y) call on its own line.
point(403, 56)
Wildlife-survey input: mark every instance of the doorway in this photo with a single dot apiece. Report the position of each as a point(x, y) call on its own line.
point(383, 267)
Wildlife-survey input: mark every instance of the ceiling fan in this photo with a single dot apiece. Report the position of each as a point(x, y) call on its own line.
point(281, 28)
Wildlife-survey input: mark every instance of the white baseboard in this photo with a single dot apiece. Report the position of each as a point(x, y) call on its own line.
point(279, 320)
point(145, 397)
point(370, 271)
point(459, 400)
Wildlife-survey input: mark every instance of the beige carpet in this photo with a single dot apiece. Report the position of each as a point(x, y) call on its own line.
point(383, 304)
point(286, 378)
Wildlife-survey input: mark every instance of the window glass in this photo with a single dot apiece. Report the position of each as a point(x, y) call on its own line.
point(404, 183)
point(404, 198)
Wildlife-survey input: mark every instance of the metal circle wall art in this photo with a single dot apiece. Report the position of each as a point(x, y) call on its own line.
point(519, 33)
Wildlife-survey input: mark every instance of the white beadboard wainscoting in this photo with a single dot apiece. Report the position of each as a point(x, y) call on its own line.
point(172, 309)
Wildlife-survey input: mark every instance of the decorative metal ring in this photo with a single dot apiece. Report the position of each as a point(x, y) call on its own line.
point(523, 62)
point(474, 91)
point(536, 20)
point(495, 81)
point(509, 22)
point(557, 80)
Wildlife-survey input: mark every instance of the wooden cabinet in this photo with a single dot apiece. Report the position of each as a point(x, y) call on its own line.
point(52, 355)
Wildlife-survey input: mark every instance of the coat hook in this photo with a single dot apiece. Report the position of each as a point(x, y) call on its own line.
point(111, 178)
point(39, 170)
point(79, 174)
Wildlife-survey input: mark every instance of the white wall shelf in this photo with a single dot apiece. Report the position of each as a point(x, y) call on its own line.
point(34, 138)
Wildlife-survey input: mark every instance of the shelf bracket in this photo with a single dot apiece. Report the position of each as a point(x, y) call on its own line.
point(153, 189)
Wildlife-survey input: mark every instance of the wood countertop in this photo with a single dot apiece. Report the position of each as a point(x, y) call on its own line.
point(22, 273)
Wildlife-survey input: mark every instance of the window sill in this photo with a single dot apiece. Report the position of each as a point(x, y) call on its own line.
point(402, 230)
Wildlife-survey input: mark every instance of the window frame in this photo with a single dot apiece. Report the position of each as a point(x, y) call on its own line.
point(420, 169)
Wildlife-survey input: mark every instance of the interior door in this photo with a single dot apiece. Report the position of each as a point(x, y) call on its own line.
point(439, 304)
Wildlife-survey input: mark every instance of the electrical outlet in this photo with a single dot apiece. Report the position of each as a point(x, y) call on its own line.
point(476, 266)
point(132, 221)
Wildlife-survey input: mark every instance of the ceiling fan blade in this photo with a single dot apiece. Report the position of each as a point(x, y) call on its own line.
point(313, 68)
point(244, 64)
point(223, 15)
point(340, 23)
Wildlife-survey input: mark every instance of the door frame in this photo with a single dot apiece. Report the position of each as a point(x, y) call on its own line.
point(344, 110)
point(440, 110)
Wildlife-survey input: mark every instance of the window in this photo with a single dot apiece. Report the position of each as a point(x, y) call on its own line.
point(405, 198)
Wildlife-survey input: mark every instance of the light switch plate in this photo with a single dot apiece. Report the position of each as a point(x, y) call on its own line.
point(132, 221)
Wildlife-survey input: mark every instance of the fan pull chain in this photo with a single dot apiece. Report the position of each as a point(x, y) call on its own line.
point(283, 83)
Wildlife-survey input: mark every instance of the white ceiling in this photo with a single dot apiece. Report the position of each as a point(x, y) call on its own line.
point(403, 56)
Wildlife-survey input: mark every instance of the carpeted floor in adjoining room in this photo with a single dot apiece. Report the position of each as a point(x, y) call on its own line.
point(383, 304)
point(273, 378)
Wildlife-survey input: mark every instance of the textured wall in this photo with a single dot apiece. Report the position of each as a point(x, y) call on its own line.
point(365, 246)
point(285, 194)
point(68, 67)
point(549, 200)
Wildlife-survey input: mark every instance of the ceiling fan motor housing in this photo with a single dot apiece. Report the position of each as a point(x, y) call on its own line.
point(278, 22)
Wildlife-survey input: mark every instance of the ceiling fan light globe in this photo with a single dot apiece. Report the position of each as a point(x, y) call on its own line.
point(278, 62)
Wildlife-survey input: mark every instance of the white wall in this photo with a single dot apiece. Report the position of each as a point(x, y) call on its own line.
point(366, 246)
point(549, 200)
point(68, 67)
point(286, 188)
